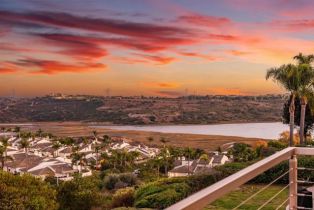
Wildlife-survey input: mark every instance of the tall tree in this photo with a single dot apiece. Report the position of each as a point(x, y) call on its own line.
point(25, 145)
point(56, 145)
point(3, 151)
point(3, 156)
point(288, 77)
point(95, 135)
point(307, 78)
point(17, 130)
point(309, 116)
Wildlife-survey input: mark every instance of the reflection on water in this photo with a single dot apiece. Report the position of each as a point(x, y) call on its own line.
point(250, 130)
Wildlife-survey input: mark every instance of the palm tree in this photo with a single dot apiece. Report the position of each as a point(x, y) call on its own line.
point(188, 152)
point(307, 74)
point(25, 145)
point(205, 158)
point(131, 157)
point(79, 158)
point(288, 77)
point(95, 135)
point(106, 141)
point(158, 162)
point(39, 132)
point(114, 158)
point(5, 143)
point(57, 145)
point(97, 148)
point(165, 156)
point(3, 156)
point(17, 130)
point(304, 59)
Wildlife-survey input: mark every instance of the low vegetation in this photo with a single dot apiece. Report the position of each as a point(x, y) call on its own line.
point(143, 110)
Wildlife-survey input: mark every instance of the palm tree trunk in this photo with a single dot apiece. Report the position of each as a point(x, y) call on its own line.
point(291, 111)
point(302, 119)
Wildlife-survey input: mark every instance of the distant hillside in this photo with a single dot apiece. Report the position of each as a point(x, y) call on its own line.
point(143, 110)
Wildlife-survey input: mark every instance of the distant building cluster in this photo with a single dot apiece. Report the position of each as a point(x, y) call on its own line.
point(186, 167)
point(42, 159)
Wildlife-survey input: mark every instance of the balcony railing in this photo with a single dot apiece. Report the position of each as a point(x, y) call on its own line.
point(202, 198)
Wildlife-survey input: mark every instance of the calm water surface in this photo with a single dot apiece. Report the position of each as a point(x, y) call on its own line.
point(254, 130)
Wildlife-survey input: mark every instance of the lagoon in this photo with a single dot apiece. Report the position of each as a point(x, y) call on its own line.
point(249, 130)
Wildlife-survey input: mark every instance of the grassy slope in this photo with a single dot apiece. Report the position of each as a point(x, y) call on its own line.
point(236, 197)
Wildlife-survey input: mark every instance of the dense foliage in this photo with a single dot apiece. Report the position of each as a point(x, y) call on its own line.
point(164, 192)
point(80, 193)
point(309, 118)
point(26, 193)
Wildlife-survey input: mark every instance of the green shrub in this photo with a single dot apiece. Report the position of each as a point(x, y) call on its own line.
point(123, 197)
point(110, 181)
point(81, 193)
point(159, 196)
point(277, 144)
point(26, 192)
point(165, 192)
point(117, 181)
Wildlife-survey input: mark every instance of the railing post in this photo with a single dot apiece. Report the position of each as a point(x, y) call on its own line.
point(293, 178)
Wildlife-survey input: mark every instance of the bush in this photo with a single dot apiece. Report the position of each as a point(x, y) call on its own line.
point(110, 181)
point(277, 144)
point(231, 168)
point(165, 192)
point(159, 196)
point(26, 192)
point(123, 197)
point(81, 193)
point(117, 181)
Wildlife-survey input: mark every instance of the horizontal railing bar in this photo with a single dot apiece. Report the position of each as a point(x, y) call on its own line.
point(203, 197)
point(304, 151)
point(304, 195)
point(305, 169)
point(301, 207)
point(305, 182)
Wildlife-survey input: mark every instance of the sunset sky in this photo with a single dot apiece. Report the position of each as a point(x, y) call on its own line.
point(149, 47)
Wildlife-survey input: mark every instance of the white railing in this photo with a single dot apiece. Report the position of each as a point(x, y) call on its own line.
point(202, 198)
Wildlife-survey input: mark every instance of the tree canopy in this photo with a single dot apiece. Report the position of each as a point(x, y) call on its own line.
point(26, 192)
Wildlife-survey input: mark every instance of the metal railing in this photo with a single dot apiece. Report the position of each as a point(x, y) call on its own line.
point(202, 198)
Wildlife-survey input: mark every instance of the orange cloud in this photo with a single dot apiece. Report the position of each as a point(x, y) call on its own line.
point(54, 67)
point(7, 68)
point(199, 55)
point(157, 59)
point(237, 52)
point(161, 84)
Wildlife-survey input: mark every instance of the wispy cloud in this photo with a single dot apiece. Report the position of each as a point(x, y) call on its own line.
point(54, 67)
